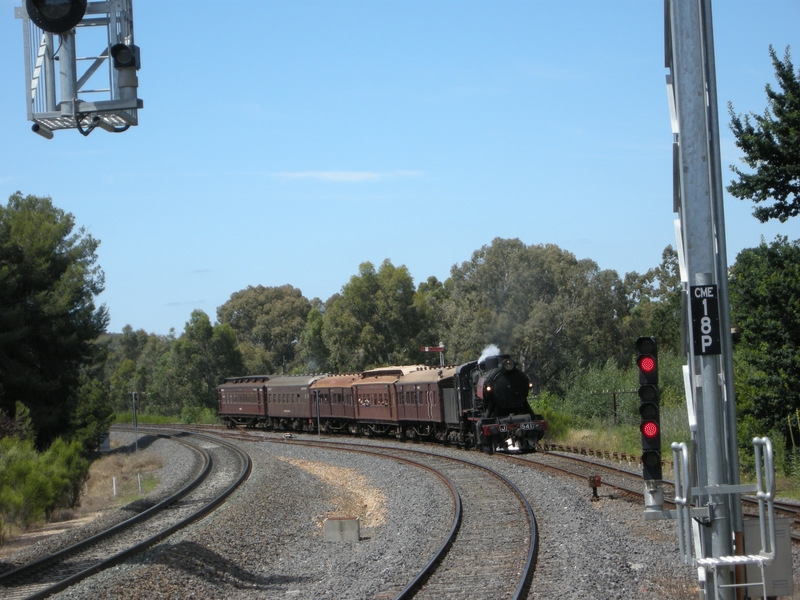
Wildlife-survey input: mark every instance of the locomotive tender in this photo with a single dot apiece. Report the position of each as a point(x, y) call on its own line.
point(482, 404)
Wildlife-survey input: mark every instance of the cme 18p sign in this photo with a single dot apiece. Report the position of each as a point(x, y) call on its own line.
point(705, 319)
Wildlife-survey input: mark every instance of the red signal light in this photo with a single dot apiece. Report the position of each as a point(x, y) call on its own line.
point(649, 429)
point(647, 364)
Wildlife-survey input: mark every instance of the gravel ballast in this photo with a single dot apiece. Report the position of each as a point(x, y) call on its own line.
point(267, 539)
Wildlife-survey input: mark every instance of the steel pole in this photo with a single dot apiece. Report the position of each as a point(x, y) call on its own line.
point(697, 138)
point(68, 68)
point(718, 208)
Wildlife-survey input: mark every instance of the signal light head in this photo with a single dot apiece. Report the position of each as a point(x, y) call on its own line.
point(647, 360)
point(651, 465)
point(649, 411)
point(649, 429)
point(125, 56)
point(56, 16)
point(648, 393)
point(646, 345)
point(647, 363)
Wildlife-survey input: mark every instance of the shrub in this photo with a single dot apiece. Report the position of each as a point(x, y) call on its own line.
point(33, 485)
point(196, 414)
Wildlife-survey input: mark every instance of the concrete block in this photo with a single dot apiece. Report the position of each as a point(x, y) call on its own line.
point(342, 529)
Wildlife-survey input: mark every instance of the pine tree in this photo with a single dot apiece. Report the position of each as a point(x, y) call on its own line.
point(771, 146)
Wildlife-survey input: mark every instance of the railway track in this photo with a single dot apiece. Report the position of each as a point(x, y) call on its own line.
point(629, 482)
point(489, 508)
point(224, 468)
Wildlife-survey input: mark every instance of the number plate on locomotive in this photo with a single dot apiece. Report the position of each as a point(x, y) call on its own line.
point(527, 425)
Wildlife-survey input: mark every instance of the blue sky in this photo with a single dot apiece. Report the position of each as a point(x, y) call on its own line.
point(287, 142)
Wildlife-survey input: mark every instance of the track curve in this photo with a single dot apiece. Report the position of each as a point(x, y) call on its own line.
point(494, 512)
point(215, 481)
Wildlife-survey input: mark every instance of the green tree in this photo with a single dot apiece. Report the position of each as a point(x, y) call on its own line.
point(550, 311)
point(771, 146)
point(200, 359)
point(268, 322)
point(48, 319)
point(93, 414)
point(765, 304)
point(656, 298)
point(375, 320)
point(134, 358)
point(430, 299)
point(312, 353)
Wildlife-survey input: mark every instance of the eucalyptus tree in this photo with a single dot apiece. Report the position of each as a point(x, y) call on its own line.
point(771, 146)
point(268, 322)
point(765, 304)
point(552, 312)
point(375, 320)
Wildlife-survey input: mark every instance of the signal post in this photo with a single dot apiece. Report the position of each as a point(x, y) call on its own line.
point(650, 412)
point(104, 94)
point(708, 476)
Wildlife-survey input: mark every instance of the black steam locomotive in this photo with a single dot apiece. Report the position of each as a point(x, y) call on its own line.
point(501, 411)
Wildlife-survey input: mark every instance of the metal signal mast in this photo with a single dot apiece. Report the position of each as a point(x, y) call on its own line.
point(104, 94)
point(708, 477)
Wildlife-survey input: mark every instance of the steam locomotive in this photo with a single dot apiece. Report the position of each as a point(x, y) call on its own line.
point(481, 404)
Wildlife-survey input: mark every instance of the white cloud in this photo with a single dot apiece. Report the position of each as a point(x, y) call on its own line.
point(346, 176)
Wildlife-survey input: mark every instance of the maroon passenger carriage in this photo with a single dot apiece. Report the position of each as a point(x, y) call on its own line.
point(333, 395)
point(290, 403)
point(420, 403)
point(242, 400)
point(376, 399)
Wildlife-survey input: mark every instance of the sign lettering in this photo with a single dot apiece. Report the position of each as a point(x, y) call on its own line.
point(705, 319)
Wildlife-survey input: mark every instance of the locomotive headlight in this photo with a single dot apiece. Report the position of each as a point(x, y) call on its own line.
point(488, 388)
point(508, 364)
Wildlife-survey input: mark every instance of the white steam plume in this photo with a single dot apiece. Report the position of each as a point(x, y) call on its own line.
point(490, 350)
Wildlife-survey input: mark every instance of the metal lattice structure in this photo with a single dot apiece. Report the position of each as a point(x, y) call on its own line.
point(59, 95)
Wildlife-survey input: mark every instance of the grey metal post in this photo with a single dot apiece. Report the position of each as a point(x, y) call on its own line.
point(715, 172)
point(319, 429)
point(692, 65)
point(68, 68)
point(135, 424)
point(49, 73)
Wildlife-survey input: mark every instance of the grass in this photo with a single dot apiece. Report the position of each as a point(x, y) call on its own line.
point(98, 492)
point(627, 439)
point(201, 416)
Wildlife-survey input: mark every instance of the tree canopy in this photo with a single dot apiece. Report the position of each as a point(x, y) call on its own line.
point(376, 320)
point(765, 304)
point(539, 303)
point(49, 279)
point(656, 300)
point(268, 322)
point(771, 146)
